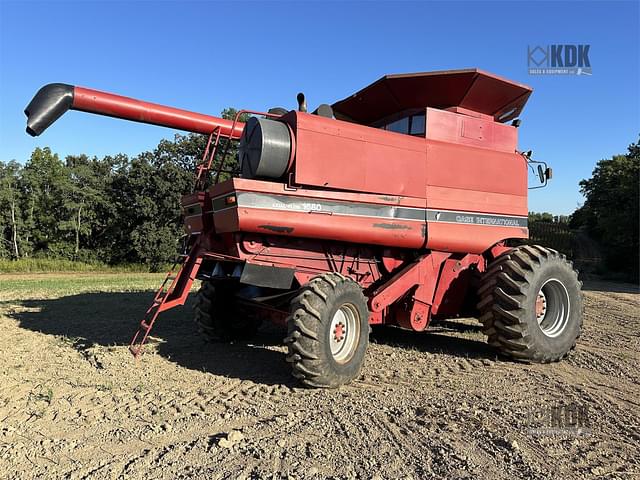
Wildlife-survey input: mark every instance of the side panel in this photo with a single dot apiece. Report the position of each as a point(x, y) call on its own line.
point(471, 200)
point(363, 230)
point(292, 214)
point(468, 130)
point(339, 155)
point(274, 209)
point(477, 169)
point(270, 208)
point(485, 189)
point(470, 238)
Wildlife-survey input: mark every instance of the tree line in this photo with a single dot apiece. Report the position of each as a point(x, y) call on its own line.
point(111, 210)
point(611, 211)
point(119, 210)
point(610, 214)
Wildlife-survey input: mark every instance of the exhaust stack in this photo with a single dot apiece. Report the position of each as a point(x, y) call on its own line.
point(54, 99)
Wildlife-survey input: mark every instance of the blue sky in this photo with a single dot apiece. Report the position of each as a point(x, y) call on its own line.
point(205, 56)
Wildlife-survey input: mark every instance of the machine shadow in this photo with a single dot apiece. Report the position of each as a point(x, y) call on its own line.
point(607, 286)
point(442, 337)
point(110, 319)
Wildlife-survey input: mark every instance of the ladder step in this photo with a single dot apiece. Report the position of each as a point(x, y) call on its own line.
point(160, 298)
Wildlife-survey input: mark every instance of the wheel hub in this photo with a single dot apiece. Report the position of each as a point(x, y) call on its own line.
point(553, 307)
point(541, 306)
point(344, 332)
point(339, 332)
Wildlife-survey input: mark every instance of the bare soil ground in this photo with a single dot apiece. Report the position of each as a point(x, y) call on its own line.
point(73, 404)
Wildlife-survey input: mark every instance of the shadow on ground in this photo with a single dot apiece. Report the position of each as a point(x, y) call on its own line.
point(441, 337)
point(597, 285)
point(110, 319)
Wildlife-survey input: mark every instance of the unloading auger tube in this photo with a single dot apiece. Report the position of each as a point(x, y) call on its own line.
point(265, 145)
point(54, 99)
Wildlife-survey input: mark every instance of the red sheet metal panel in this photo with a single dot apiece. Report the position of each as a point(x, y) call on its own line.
point(363, 230)
point(274, 209)
point(477, 169)
point(270, 208)
point(460, 199)
point(339, 155)
point(467, 130)
point(466, 163)
point(469, 238)
point(242, 184)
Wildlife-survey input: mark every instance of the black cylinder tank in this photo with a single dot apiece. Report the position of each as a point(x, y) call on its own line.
point(265, 148)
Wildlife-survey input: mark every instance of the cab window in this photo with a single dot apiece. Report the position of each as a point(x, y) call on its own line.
point(399, 126)
point(409, 125)
point(417, 125)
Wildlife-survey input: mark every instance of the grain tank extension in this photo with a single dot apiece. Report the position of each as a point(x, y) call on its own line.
point(403, 203)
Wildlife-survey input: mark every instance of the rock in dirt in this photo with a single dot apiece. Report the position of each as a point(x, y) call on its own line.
point(233, 437)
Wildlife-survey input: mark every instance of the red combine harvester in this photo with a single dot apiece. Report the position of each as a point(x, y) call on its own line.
point(400, 204)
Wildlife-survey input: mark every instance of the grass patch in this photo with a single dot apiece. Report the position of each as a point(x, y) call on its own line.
point(52, 285)
point(51, 265)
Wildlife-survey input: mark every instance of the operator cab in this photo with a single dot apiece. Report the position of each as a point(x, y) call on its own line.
point(399, 103)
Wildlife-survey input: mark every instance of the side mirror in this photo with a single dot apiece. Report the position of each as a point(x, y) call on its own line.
point(548, 173)
point(542, 174)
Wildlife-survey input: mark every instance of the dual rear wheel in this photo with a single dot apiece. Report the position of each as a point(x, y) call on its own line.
point(531, 304)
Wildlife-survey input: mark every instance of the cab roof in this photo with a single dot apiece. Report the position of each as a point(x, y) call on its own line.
point(472, 89)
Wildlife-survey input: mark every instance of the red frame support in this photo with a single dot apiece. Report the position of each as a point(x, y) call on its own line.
point(423, 274)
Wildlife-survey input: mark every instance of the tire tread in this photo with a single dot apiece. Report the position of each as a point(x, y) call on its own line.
point(502, 291)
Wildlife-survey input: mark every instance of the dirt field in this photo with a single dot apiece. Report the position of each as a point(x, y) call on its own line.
point(73, 404)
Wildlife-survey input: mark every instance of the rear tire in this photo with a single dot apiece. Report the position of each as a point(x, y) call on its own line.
point(328, 331)
point(531, 304)
point(217, 315)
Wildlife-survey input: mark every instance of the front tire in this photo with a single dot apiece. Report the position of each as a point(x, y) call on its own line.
point(531, 304)
point(328, 331)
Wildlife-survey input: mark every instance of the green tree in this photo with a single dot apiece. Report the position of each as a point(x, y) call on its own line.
point(43, 181)
point(611, 210)
point(547, 217)
point(84, 196)
point(113, 209)
point(147, 193)
point(540, 217)
point(10, 209)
